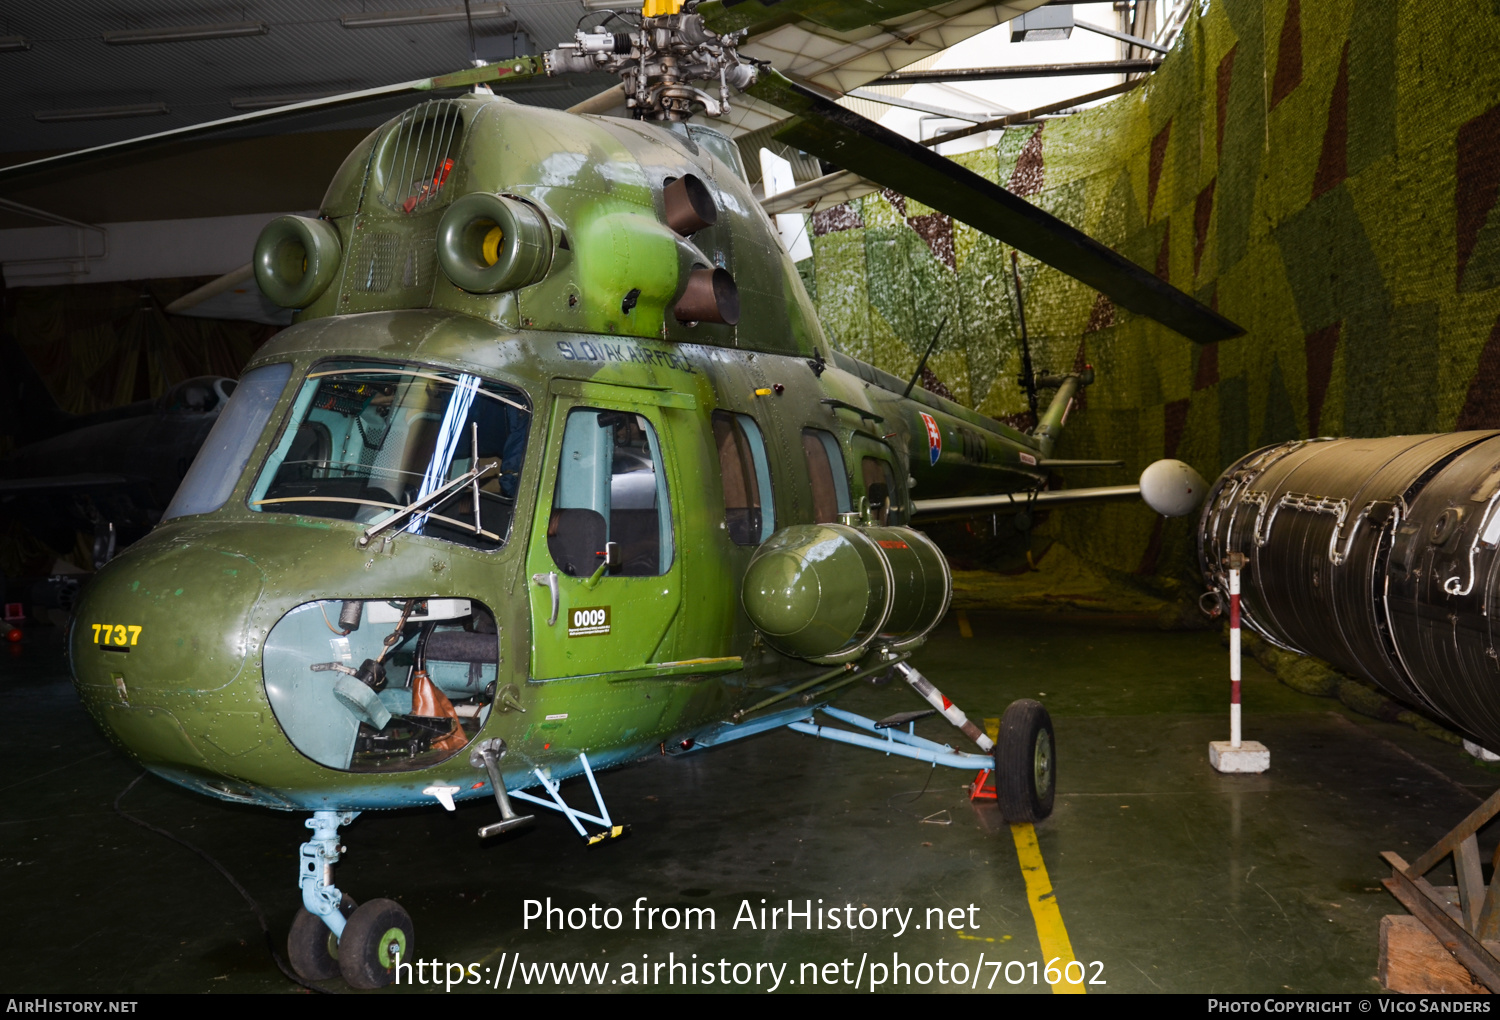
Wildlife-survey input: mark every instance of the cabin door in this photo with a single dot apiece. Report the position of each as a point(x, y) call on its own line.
point(603, 566)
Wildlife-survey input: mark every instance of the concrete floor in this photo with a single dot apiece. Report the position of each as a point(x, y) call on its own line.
point(1169, 876)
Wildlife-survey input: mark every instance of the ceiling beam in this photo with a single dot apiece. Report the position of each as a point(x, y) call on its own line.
point(1021, 71)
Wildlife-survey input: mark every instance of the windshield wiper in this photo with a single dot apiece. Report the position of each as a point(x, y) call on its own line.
point(440, 495)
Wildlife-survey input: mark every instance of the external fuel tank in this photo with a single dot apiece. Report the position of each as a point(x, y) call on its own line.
point(827, 592)
point(1378, 555)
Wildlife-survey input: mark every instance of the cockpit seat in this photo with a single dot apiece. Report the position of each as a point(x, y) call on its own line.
point(575, 538)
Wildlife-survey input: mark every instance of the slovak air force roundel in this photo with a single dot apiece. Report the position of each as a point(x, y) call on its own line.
point(934, 437)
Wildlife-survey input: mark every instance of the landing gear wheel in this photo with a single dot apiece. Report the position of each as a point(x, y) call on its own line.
point(311, 947)
point(377, 935)
point(1025, 762)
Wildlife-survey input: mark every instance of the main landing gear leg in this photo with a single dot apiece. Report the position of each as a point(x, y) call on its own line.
point(331, 936)
point(951, 712)
point(1024, 775)
point(313, 944)
point(320, 897)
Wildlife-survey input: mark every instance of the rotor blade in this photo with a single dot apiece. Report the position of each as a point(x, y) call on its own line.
point(861, 146)
point(808, 51)
point(816, 195)
point(515, 69)
point(602, 103)
point(726, 16)
point(213, 288)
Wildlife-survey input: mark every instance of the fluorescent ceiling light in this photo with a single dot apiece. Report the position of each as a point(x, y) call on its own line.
point(186, 33)
point(12, 43)
point(421, 16)
point(1044, 24)
point(101, 112)
point(285, 99)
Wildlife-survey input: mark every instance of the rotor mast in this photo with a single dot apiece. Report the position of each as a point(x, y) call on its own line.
point(659, 60)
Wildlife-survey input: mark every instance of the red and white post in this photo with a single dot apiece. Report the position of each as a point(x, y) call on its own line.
point(1236, 754)
point(1234, 657)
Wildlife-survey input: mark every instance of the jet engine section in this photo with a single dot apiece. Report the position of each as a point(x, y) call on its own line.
point(382, 685)
point(829, 592)
point(1378, 555)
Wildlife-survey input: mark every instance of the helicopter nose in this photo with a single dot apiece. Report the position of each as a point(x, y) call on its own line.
point(158, 645)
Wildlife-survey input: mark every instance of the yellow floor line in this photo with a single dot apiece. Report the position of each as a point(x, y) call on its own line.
point(964, 630)
point(1056, 949)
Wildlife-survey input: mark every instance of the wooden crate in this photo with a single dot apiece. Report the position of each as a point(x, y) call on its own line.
point(1413, 961)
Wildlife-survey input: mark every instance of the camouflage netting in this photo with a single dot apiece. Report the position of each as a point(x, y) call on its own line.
point(1324, 178)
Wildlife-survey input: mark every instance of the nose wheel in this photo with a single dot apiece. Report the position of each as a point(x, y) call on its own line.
point(312, 947)
point(377, 937)
point(331, 936)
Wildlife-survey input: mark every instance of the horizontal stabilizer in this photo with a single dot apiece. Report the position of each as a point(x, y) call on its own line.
point(1017, 501)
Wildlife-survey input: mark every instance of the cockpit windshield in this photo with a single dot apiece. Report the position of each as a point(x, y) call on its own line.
point(401, 448)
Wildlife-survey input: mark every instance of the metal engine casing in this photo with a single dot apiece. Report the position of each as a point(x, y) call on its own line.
point(1378, 555)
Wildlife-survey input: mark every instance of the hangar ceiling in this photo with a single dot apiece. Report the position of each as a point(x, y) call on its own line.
point(77, 74)
point(101, 70)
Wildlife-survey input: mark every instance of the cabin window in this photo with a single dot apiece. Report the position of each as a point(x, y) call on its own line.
point(611, 506)
point(825, 469)
point(366, 443)
point(880, 490)
point(749, 510)
point(226, 451)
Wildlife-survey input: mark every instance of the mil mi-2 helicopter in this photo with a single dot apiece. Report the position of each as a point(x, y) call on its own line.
point(556, 469)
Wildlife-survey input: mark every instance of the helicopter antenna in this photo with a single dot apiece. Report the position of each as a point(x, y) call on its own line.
point(1027, 379)
point(923, 363)
point(473, 47)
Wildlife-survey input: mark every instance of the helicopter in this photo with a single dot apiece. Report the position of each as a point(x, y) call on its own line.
point(556, 470)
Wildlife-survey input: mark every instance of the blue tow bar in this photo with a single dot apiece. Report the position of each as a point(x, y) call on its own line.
point(892, 741)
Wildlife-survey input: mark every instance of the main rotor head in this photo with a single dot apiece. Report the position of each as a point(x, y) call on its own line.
point(659, 58)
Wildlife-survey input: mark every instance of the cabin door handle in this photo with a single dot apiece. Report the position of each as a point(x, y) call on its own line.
point(548, 580)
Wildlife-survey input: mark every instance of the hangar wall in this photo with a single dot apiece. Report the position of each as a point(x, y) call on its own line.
point(98, 346)
point(1323, 173)
point(101, 345)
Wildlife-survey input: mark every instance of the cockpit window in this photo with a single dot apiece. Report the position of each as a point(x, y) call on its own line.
point(440, 449)
point(221, 461)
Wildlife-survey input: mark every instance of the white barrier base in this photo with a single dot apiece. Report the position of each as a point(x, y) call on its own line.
point(1250, 756)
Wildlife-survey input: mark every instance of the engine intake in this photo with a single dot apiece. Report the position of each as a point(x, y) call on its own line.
point(489, 243)
point(295, 259)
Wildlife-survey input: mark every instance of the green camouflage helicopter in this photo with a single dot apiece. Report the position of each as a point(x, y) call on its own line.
point(556, 469)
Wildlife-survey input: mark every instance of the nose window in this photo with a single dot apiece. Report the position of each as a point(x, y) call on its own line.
point(382, 685)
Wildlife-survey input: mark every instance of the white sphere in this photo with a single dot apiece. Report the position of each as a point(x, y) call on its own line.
point(1172, 488)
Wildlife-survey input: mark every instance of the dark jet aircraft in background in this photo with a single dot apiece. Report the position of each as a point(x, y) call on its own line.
point(109, 474)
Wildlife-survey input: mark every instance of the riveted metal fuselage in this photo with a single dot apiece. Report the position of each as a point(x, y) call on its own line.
point(185, 691)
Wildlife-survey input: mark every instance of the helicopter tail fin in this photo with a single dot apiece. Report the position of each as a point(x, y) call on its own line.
point(1056, 415)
